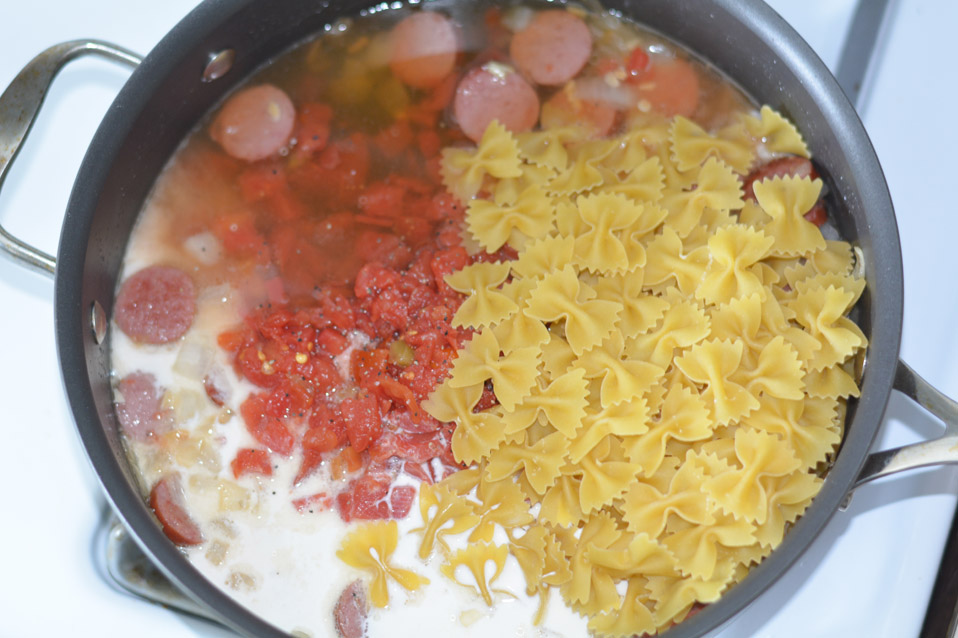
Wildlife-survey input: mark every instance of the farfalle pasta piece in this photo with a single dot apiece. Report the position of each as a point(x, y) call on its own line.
point(506, 192)
point(822, 312)
point(544, 256)
point(622, 379)
point(777, 373)
point(643, 556)
point(450, 514)
point(561, 403)
point(811, 440)
point(786, 200)
point(606, 474)
point(837, 257)
point(512, 375)
point(627, 419)
point(520, 330)
point(600, 249)
point(474, 558)
point(493, 225)
point(463, 170)
point(581, 175)
point(640, 310)
point(831, 383)
point(692, 146)
point(562, 296)
point(591, 589)
point(717, 187)
point(503, 504)
point(369, 548)
point(627, 153)
point(675, 595)
point(485, 305)
point(683, 417)
point(713, 363)
point(696, 547)
point(731, 273)
point(541, 558)
point(789, 496)
point(560, 504)
point(634, 238)
point(778, 134)
point(667, 259)
point(645, 183)
point(683, 325)
point(646, 508)
point(633, 616)
point(557, 356)
point(740, 318)
point(548, 147)
point(742, 492)
point(541, 463)
point(476, 433)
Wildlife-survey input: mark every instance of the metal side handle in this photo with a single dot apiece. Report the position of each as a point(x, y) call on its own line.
point(938, 451)
point(19, 106)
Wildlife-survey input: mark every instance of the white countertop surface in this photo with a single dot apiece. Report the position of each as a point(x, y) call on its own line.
point(869, 574)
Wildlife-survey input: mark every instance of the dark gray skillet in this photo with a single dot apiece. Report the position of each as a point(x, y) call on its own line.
point(174, 86)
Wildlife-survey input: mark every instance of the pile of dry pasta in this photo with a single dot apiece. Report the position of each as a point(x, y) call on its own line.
point(670, 362)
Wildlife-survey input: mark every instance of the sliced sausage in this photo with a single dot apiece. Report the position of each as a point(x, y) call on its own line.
point(553, 47)
point(563, 109)
point(156, 305)
point(166, 499)
point(494, 92)
point(139, 412)
point(671, 87)
point(351, 610)
point(254, 123)
point(424, 47)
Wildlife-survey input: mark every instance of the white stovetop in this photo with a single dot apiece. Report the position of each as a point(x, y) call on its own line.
point(869, 574)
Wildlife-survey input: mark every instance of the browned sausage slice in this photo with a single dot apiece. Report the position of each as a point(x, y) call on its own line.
point(166, 499)
point(553, 47)
point(156, 305)
point(138, 413)
point(495, 92)
point(424, 47)
point(254, 123)
point(351, 611)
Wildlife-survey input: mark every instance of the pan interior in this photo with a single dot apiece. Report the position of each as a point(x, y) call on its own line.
point(166, 97)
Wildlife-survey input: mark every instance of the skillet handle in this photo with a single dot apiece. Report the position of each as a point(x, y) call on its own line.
point(938, 451)
point(19, 106)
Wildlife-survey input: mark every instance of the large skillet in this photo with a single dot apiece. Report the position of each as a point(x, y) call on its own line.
point(175, 85)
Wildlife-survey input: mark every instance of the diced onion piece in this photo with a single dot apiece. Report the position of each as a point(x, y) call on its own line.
point(193, 360)
point(204, 247)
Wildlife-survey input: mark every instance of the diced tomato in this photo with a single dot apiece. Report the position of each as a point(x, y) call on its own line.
point(382, 199)
point(316, 502)
point(637, 64)
point(332, 341)
point(446, 262)
point(251, 461)
point(373, 278)
point(312, 127)
point(363, 421)
point(369, 498)
point(238, 235)
point(267, 430)
point(260, 181)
